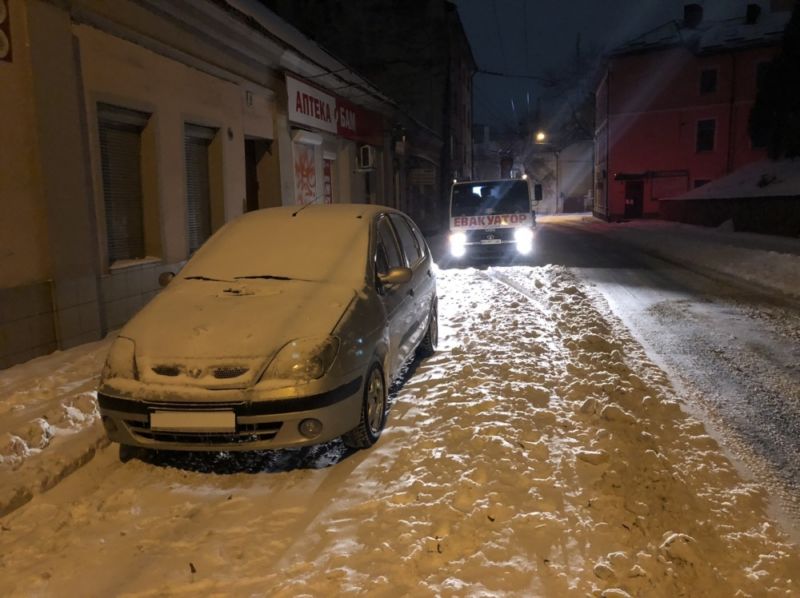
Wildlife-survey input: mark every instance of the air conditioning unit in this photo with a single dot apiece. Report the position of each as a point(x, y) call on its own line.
point(366, 157)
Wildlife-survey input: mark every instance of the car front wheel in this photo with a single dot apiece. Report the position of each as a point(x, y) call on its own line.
point(373, 412)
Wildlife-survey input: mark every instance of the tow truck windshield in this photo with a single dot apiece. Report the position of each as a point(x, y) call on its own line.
point(491, 216)
point(490, 197)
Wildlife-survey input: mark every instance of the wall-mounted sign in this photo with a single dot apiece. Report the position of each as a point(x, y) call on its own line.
point(311, 106)
point(5, 32)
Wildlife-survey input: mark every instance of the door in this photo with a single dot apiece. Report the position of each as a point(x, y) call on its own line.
point(421, 281)
point(634, 199)
point(254, 150)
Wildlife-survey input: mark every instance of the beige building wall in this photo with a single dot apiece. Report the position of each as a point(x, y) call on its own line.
point(173, 94)
point(24, 256)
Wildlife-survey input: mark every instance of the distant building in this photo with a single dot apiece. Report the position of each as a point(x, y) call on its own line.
point(672, 107)
point(487, 154)
point(418, 54)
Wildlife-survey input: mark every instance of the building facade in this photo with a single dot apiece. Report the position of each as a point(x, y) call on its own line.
point(672, 108)
point(418, 54)
point(133, 130)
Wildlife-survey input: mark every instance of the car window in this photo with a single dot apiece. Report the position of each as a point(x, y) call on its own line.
point(407, 240)
point(388, 253)
point(423, 246)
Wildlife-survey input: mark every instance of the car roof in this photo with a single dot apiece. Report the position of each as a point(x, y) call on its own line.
point(328, 212)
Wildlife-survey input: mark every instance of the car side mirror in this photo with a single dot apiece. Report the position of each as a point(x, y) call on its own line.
point(164, 278)
point(537, 192)
point(395, 276)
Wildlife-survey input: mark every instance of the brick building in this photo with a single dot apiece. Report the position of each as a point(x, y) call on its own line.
point(672, 107)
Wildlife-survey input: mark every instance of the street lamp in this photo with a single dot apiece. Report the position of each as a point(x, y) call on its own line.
point(541, 137)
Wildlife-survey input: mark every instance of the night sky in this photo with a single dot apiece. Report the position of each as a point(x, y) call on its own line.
point(502, 42)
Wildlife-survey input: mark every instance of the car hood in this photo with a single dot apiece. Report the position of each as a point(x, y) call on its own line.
point(222, 334)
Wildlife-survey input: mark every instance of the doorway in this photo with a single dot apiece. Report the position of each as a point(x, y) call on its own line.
point(254, 150)
point(634, 199)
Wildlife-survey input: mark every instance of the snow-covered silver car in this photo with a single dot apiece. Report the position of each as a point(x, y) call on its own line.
point(284, 329)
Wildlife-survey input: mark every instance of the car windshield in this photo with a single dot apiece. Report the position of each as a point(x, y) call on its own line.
point(490, 197)
point(323, 244)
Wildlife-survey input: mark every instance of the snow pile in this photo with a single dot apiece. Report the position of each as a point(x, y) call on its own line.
point(49, 421)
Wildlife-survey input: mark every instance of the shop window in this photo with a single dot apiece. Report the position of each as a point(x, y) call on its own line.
point(708, 81)
point(120, 132)
point(198, 187)
point(706, 131)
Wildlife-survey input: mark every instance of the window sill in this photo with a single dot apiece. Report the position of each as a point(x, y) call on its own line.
point(128, 264)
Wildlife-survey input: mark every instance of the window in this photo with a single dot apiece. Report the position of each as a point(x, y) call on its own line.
point(708, 81)
point(198, 194)
point(120, 132)
point(423, 247)
point(388, 253)
point(407, 239)
point(706, 130)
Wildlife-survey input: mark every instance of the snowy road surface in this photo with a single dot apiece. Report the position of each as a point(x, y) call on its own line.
point(539, 452)
point(735, 351)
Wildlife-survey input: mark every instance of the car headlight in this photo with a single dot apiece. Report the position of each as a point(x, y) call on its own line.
point(121, 359)
point(458, 242)
point(303, 359)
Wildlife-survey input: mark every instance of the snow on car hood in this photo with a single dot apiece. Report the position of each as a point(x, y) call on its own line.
point(196, 329)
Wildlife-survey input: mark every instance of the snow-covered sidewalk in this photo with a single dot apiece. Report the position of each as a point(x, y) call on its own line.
point(538, 453)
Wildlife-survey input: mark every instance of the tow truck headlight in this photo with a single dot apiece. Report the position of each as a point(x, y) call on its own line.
point(524, 239)
point(458, 244)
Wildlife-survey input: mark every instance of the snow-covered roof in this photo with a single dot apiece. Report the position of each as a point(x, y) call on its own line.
point(710, 36)
point(759, 179)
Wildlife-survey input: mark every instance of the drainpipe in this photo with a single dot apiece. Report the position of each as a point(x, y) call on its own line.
point(607, 178)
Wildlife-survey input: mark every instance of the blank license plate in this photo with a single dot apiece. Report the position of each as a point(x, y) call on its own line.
point(193, 421)
point(491, 241)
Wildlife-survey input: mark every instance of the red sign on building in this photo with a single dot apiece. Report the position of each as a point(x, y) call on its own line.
point(317, 108)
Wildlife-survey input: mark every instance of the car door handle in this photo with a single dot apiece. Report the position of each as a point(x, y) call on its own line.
point(411, 292)
point(429, 273)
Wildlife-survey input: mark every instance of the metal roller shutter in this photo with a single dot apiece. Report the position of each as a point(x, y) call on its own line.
point(198, 196)
point(120, 152)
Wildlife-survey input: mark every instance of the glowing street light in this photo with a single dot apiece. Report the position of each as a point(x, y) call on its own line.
point(540, 137)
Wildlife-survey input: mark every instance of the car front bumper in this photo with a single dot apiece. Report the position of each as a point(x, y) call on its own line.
point(255, 424)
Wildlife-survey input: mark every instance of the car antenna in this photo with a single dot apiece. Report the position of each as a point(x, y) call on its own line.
point(305, 205)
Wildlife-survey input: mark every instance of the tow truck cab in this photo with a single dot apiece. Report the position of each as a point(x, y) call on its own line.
point(493, 214)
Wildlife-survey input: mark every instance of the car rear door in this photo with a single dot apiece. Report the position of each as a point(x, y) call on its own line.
point(422, 282)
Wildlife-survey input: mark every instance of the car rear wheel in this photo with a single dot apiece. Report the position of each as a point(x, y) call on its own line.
point(428, 345)
point(373, 412)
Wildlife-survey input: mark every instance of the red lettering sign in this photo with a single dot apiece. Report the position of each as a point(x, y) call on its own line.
point(489, 221)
